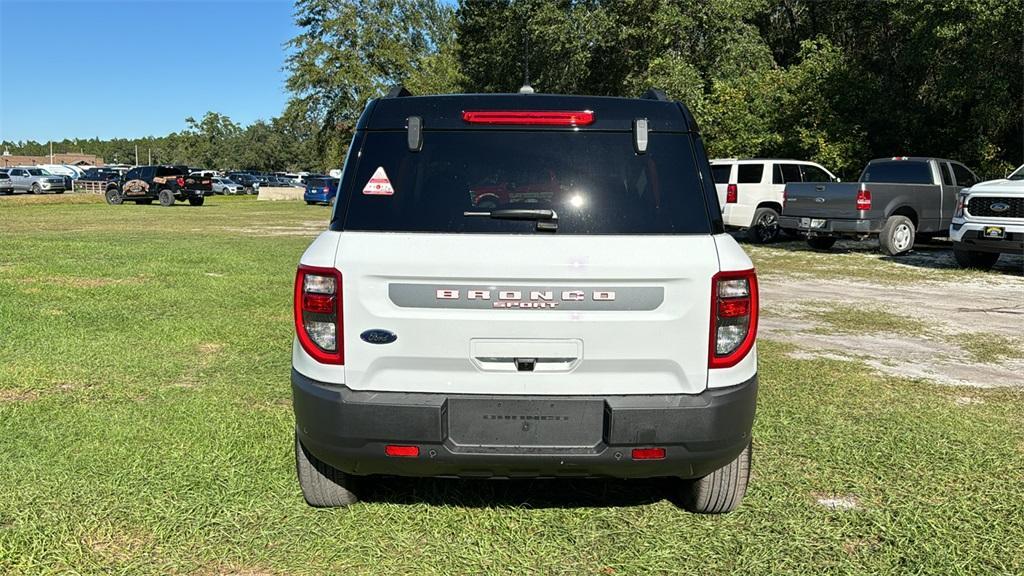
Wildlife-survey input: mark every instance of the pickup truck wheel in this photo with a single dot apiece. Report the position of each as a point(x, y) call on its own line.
point(897, 235)
point(166, 197)
point(322, 486)
point(821, 242)
point(722, 490)
point(765, 226)
point(196, 201)
point(113, 197)
point(34, 189)
point(974, 259)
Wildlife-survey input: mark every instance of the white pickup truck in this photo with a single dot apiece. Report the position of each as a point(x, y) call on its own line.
point(989, 221)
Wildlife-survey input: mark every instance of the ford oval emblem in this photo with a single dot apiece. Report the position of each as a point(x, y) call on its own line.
point(999, 206)
point(378, 336)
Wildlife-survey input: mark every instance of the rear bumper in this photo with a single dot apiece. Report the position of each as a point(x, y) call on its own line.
point(833, 226)
point(318, 197)
point(349, 429)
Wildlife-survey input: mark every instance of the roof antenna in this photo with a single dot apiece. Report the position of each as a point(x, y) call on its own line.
point(526, 88)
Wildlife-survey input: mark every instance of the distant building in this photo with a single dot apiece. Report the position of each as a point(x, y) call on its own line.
point(83, 160)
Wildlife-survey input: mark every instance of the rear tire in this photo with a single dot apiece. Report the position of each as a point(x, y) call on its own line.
point(897, 236)
point(764, 228)
point(975, 260)
point(821, 242)
point(322, 486)
point(166, 197)
point(722, 490)
point(196, 201)
point(113, 197)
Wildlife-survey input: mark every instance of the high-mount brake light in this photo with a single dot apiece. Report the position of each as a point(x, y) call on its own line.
point(731, 194)
point(864, 199)
point(733, 317)
point(318, 313)
point(530, 117)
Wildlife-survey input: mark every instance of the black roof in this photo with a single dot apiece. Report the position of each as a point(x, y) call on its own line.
point(444, 112)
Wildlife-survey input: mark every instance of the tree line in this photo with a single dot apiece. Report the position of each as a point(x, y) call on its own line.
point(834, 81)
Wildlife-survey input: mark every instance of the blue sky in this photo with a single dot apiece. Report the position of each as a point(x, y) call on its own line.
point(89, 68)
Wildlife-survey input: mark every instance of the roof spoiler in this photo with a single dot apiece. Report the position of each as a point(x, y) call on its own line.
point(655, 94)
point(398, 91)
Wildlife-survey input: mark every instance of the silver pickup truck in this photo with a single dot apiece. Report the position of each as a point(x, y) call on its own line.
point(895, 199)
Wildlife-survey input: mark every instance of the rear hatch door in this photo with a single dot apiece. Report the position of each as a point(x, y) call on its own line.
point(615, 300)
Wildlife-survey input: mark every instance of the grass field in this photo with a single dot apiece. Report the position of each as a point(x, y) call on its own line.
point(146, 427)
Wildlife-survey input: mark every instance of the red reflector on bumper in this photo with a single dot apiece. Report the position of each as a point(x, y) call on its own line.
point(397, 451)
point(648, 453)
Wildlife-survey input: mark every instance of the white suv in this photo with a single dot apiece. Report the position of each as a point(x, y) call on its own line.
point(750, 191)
point(525, 286)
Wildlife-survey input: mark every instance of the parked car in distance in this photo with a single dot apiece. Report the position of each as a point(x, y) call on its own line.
point(320, 190)
point(562, 334)
point(750, 191)
point(166, 183)
point(36, 180)
point(6, 187)
point(226, 186)
point(896, 199)
point(989, 221)
point(100, 175)
point(249, 182)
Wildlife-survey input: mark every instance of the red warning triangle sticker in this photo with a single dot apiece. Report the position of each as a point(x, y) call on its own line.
point(379, 184)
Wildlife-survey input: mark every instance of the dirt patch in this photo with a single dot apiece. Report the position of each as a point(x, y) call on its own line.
point(959, 317)
point(116, 546)
point(306, 229)
point(842, 503)
point(206, 353)
point(17, 396)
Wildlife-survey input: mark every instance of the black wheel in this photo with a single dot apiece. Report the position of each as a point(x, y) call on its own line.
point(974, 259)
point(897, 235)
point(196, 201)
point(821, 242)
point(764, 228)
point(145, 202)
point(34, 189)
point(722, 490)
point(322, 486)
point(166, 197)
point(113, 197)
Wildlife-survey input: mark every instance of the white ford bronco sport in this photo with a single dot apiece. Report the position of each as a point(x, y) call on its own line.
point(525, 286)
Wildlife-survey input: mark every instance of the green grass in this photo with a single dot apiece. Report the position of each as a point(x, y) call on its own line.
point(988, 348)
point(145, 428)
point(849, 319)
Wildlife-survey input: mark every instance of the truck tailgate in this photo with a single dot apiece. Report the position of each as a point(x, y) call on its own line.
point(821, 199)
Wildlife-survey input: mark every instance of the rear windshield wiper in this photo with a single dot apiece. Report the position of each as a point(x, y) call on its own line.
point(547, 220)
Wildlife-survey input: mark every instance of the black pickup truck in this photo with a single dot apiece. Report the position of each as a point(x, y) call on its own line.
point(165, 183)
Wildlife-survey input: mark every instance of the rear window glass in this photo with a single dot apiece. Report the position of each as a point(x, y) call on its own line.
point(749, 173)
point(898, 172)
point(169, 171)
point(721, 173)
point(593, 181)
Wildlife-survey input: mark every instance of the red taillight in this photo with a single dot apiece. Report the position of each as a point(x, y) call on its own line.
point(181, 182)
point(864, 199)
point(529, 117)
point(318, 313)
point(326, 189)
point(648, 453)
point(398, 451)
point(731, 194)
point(733, 317)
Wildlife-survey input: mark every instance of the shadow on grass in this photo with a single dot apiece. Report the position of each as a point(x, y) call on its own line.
point(519, 493)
